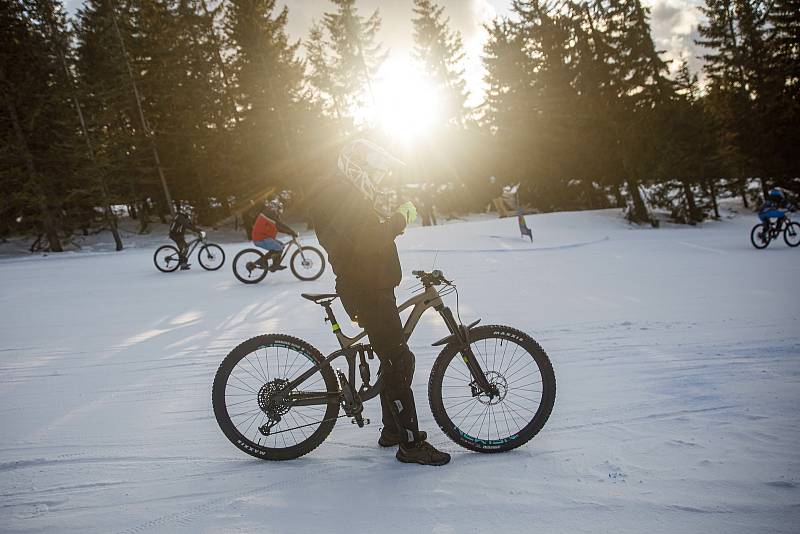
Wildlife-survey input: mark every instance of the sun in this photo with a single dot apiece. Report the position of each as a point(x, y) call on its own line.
point(406, 105)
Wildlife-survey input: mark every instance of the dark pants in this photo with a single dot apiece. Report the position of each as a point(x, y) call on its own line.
point(376, 312)
point(181, 242)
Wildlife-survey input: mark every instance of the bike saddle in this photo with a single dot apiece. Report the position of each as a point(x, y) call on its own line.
point(320, 298)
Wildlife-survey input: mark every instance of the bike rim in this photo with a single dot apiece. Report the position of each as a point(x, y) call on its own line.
point(168, 259)
point(248, 267)
point(792, 234)
point(308, 264)
point(212, 258)
point(501, 419)
point(248, 390)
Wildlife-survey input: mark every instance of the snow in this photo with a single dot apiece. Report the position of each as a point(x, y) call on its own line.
point(676, 351)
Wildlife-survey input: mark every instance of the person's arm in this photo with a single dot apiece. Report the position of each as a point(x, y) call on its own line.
point(191, 226)
point(285, 228)
point(344, 221)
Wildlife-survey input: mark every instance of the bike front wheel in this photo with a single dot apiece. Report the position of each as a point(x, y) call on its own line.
point(791, 234)
point(211, 257)
point(759, 237)
point(307, 263)
point(250, 266)
point(519, 368)
point(166, 258)
point(258, 421)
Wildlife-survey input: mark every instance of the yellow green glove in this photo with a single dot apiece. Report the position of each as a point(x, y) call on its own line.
point(408, 211)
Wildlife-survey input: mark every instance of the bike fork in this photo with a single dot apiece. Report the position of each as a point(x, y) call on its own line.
point(460, 333)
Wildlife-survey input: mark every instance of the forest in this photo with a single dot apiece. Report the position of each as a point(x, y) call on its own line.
point(138, 108)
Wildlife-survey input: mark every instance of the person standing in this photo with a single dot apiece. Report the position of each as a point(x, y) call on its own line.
point(362, 252)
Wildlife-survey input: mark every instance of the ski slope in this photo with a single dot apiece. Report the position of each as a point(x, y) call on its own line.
point(676, 351)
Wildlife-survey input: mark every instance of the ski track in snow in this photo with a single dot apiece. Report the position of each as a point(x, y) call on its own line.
point(675, 350)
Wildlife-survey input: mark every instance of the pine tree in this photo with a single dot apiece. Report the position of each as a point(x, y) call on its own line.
point(37, 126)
point(441, 51)
point(346, 42)
point(52, 14)
point(267, 79)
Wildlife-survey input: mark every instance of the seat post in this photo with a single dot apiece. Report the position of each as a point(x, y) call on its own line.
point(331, 317)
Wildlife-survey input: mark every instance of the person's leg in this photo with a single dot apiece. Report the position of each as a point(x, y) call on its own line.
point(274, 249)
point(378, 315)
point(765, 221)
point(180, 241)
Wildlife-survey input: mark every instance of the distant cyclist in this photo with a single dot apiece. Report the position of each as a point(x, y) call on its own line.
point(775, 206)
point(265, 231)
point(177, 232)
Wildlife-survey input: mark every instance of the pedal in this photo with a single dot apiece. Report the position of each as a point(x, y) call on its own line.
point(360, 421)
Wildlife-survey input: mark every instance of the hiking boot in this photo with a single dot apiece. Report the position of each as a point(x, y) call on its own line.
point(185, 267)
point(421, 452)
point(276, 268)
point(390, 439)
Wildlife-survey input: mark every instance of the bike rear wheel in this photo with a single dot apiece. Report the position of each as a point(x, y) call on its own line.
point(309, 265)
point(243, 398)
point(166, 258)
point(758, 237)
point(211, 257)
point(791, 234)
point(523, 375)
point(250, 266)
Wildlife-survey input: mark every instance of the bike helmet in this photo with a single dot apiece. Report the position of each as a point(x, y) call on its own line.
point(365, 165)
point(275, 206)
point(775, 194)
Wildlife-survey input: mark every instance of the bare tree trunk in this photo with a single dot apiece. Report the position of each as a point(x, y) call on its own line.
point(712, 191)
point(640, 214)
point(47, 219)
point(694, 213)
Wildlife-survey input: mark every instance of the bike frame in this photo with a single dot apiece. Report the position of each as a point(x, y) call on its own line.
point(286, 246)
point(191, 245)
point(350, 349)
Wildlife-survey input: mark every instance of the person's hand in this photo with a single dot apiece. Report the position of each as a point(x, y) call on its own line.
point(408, 211)
point(202, 234)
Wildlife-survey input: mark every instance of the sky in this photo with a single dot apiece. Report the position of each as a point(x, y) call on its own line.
point(674, 25)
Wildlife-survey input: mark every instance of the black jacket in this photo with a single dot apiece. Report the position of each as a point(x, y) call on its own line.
point(359, 244)
point(180, 224)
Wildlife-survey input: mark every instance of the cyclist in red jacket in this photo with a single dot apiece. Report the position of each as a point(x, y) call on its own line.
point(265, 230)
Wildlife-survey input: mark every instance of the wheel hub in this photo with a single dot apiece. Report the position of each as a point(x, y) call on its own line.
point(273, 407)
point(499, 384)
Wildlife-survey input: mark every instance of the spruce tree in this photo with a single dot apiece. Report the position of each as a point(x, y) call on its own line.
point(267, 80)
point(441, 51)
point(346, 42)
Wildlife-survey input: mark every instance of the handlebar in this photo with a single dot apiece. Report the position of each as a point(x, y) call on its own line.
point(433, 278)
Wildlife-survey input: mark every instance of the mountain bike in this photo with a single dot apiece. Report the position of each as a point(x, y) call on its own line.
point(491, 389)
point(211, 256)
point(251, 265)
point(791, 233)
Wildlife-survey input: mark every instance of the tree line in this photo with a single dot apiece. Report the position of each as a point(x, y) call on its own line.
point(155, 104)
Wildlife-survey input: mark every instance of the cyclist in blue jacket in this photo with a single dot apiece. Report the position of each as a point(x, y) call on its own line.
point(775, 206)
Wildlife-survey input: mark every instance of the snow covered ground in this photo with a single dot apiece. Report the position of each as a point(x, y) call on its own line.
point(677, 355)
